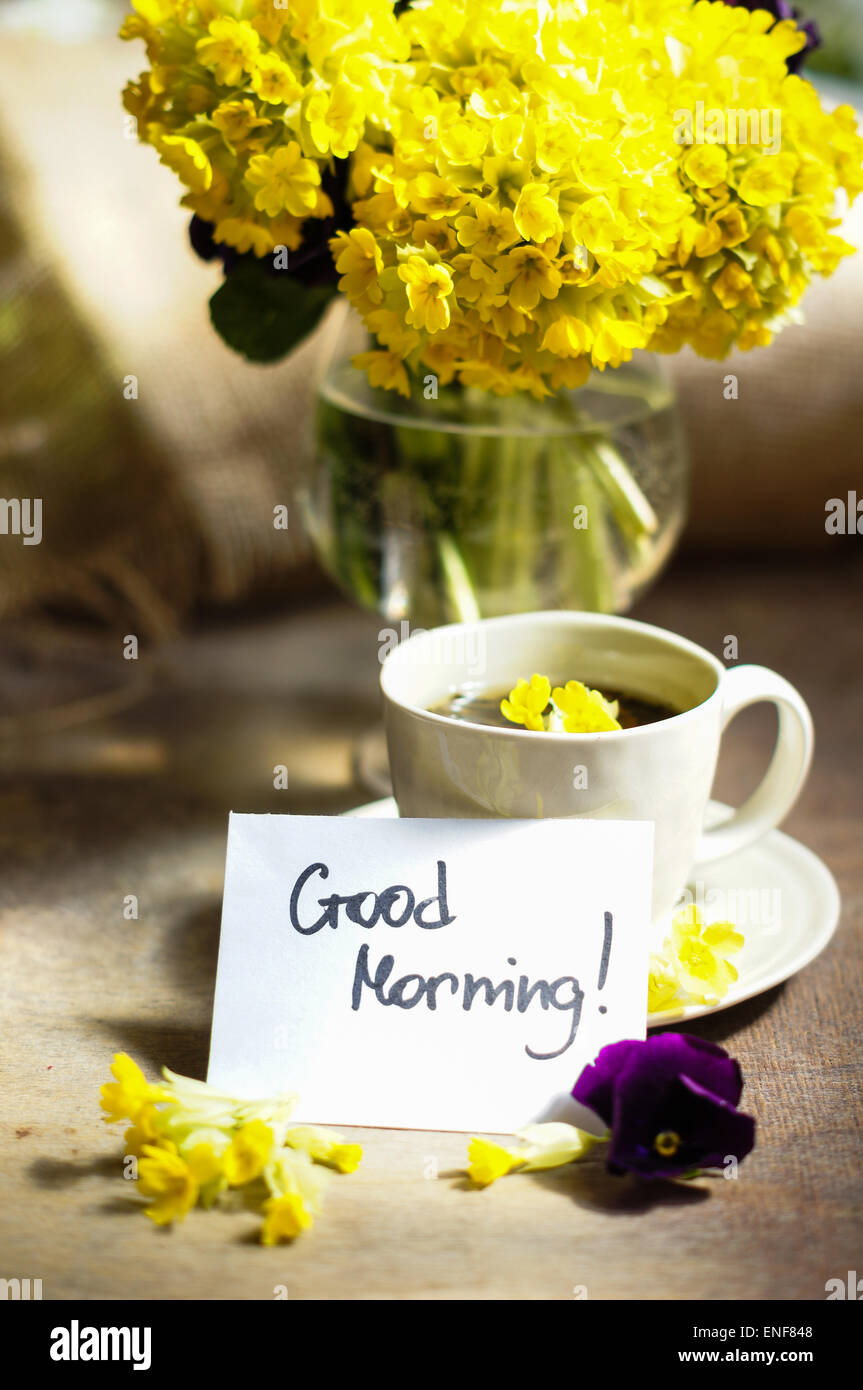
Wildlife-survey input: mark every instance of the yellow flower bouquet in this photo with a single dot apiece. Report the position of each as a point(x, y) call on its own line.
point(514, 197)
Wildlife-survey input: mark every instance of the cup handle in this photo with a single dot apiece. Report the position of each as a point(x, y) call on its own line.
point(777, 792)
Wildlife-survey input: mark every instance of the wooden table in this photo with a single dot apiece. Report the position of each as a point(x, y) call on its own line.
point(138, 805)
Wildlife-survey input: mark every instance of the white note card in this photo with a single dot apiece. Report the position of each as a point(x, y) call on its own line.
point(428, 974)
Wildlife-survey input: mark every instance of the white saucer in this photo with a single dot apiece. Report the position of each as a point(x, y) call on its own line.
point(793, 894)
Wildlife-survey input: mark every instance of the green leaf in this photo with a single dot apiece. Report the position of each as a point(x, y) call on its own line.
point(263, 316)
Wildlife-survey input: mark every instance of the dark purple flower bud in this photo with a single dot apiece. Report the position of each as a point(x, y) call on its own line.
point(782, 9)
point(670, 1103)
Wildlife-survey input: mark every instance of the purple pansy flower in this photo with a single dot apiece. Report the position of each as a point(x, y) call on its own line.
point(670, 1103)
point(783, 10)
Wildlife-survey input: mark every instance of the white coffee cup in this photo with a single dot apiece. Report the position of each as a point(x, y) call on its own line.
point(660, 772)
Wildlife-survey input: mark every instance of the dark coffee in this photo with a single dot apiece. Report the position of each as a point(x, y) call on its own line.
point(473, 704)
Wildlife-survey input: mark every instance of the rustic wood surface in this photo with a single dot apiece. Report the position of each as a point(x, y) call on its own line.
point(138, 804)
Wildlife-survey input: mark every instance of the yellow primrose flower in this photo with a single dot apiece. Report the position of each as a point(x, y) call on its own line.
point(429, 287)
point(662, 985)
point(325, 1146)
point(539, 1147)
point(536, 215)
point(585, 711)
point(172, 1181)
point(487, 1162)
point(274, 81)
point(237, 120)
point(230, 49)
point(435, 234)
point(527, 701)
point(530, 276)
point(130, 1093)
point(464, 142)
point(206, 1165)
point(285, 1217)
point(392, 333)
point(706, 165)
point(434, 196)
point(187, 159)
point(270, 22)
point(384, 369)
point(285, 181)
point(488, 230)
point(147, 1129)
point(767, 180)
point(569, 374)
point(359, 262)
point(597, 226)
point(248, 234)
point(335, 120)
point(248, 1153)
point(524, 163)
point(245, 234)
point(293, 1174)
point(194, 1141)
point(700, 954)
point(567, 336)
point(734, 286)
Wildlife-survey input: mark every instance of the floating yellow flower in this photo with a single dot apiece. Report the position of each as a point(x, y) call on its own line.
point(693, 965)
point(702, 952)
point(663, 986)
point(585, 711)
point(527, 702)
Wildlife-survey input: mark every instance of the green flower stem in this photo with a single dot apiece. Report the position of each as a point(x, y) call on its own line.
point(345, 542)
point(505, 525)
point(527, 526)
point(461, 596)
point(584, 555)
point(629, 506)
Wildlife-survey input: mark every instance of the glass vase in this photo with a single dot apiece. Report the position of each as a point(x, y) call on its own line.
point(456, 504)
